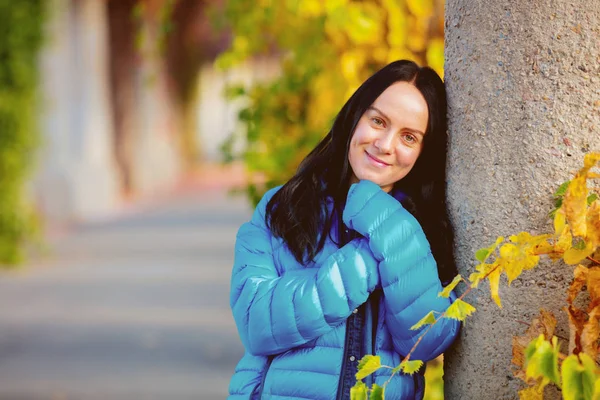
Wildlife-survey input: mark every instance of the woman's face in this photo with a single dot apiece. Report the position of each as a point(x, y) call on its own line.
point(389, 136)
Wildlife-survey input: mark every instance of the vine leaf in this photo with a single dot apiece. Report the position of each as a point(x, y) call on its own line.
point(448, 289)
point(575, 204)
point(367, 365)
point(377, 392)
point(426, 320)
point(358, 391)
point(577, 319)
point(590, 333)
point(578, 378)
point(543, 324)
point(541, 357)
point(580, 275)
point(459, 310)
point(532, 393)
point(494, 278)
point(410, 367)
point(576, 255)
point(593, 224)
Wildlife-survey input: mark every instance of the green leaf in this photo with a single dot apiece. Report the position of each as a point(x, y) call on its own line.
point(482, 254)
point(578, 380)
point(358, 391)
point(541, 358)
point(377, 392)
point(367, 365)
point(592, 198)
point(426, 320)
point(562, 189)
point(450, 287)
point(410, 367)
point(459, 310)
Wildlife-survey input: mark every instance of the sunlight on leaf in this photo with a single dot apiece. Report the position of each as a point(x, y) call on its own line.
point(542, 359)
point(367, 365)
point(575, 205)
point(459, 310)
point(410, 367)
point(377, 392)
point(358, 391)
point(426, 320)
point(448, 289)
point(494, 278)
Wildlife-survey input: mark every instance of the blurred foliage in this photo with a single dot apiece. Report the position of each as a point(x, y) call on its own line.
point(326, 50)
point(21, 24)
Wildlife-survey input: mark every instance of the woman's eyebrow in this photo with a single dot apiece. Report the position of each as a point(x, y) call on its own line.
point(388, 119)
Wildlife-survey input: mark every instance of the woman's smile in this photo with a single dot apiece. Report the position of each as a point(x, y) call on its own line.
point(376, 161)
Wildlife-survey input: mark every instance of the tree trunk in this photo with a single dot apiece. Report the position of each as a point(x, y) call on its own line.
point(523, 81)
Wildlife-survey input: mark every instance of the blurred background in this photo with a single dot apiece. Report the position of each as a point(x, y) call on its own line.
point(135, 138)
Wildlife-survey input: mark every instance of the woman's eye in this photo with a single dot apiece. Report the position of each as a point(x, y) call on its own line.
point(377, 121)
point(410, 138)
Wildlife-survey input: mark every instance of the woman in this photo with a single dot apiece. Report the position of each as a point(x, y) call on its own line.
point(332, 266)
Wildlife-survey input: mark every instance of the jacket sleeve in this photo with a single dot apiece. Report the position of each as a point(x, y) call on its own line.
point(407, 268)
point(275, 313)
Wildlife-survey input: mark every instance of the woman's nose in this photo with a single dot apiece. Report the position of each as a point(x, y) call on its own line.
point(384, 142)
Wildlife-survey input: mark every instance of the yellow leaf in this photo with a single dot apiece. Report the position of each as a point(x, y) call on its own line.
point(593, 286)
point(459, 310)
point(589, 160)
point(410, 367)
point(593, 223)
point(396, 24)
point(575, 256)
point(543, 324)
point(494, 278)
point(575, 205)
point(448, 289)
point(580, 274)
point(564, 242)
point(560, 220)
point(590, 333)
point(532, 393)
point(426, 320)
point(367, 365)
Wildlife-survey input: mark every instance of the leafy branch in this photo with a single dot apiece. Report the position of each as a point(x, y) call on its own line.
point(576, 238)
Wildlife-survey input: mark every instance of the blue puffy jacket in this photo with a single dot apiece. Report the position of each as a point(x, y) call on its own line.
point(291, 317)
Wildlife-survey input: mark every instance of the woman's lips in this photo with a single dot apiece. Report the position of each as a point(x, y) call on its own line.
point(376, 161)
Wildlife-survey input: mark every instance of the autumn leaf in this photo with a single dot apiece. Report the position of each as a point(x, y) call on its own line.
point(459, 310)
point(590, 160)
point(358, 391)
point(590, 333)
point(481, 271)
point(560, 221)
point(532, 393)
point(448, 289)
point(576, 255)
point(575, 205)
point(593, 286)
point(563, 244)
point(543, 324)
point(426, 320)
point(367, 365)
point(520, 254)
point(578, 378)
point(593, 224)
point(577, 320)
point(377, 392)
point(541, 357)
point(494, 279)
point(410, 367)
point(580, 274)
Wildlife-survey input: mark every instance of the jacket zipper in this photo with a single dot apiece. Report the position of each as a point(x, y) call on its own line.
point(345, 357)
point(261, 387)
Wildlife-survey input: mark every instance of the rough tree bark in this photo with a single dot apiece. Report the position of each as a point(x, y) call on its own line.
point(523, 79)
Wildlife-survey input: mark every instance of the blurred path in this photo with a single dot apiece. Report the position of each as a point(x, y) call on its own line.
point(132, 307)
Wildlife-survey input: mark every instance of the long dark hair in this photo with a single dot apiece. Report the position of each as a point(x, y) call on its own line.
point(297, 212)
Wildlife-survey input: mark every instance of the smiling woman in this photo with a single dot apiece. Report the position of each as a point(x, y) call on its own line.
point(350, 253)
point(389, 136)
